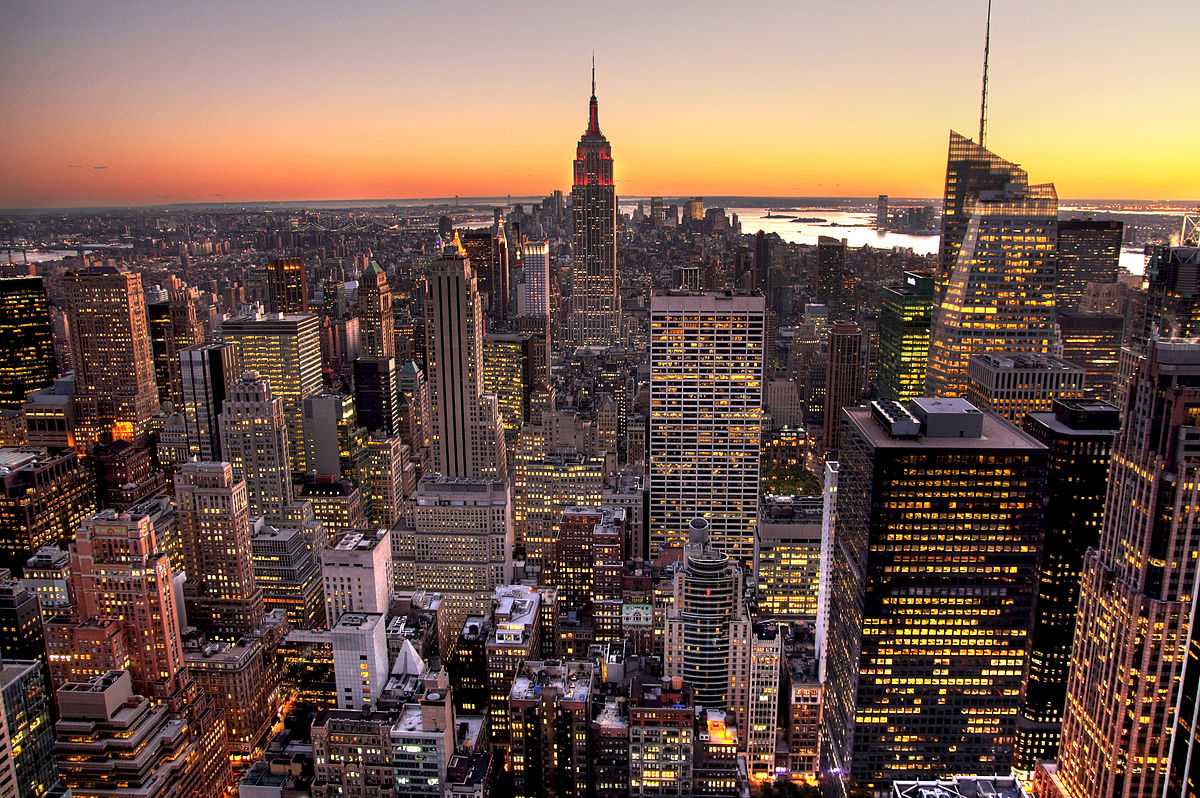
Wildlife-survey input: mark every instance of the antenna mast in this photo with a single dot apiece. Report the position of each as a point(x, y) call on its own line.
point(987, 46)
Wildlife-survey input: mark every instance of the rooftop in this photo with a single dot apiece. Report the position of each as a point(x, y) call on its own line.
point(961, 787)
point(981, 431)
point(572, 680)
point(1028, 361)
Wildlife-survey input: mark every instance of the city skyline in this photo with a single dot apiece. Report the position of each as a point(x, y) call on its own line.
point(131, 110)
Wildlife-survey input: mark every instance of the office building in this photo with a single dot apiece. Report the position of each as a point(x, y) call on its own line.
point(390, 480)
point(988, 304)
point(377, 394)
point(335, 444)
point(242, 681)
point(1079, 435)
point(118, 572)
point(48, 576)
point(787, 557)
point(284, 351)
point(933, 579)
point(1011, 384)
point(254, 441)
point(208, 374)
point(288, 571)
point(881, 212)
point(515, 636)
point(1093, 340)
point(1089, 251)
point(459, 544)
point(586, 567)
point(352, 753)
point(357, 573)
point(595, 317)
point(174, 326)
point(905, 316)
point(706, 388)
point(360, 658)
point(543, 488)
point(755, 668)
point(376, 326)
point(337, 503)
point(1135, 617)
point(467, 435)
point(845, 377)
point(488, 252)
point(27, 360)
point(707, 601)
point(832, 291)
point(115, 390)
point(1172, 293)
point(43, 499)
point(970, 170)
point(508, 364)
point(25, 704)
point(50, 415)
point(222, 595)
point(287, 286)
point(533, 293)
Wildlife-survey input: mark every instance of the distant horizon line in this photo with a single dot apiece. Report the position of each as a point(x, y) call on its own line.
point(1183, 204)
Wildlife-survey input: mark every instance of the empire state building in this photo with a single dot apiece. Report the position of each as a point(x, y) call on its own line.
point(595, 290)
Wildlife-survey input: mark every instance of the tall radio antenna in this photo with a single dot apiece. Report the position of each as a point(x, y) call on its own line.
point(987, 46)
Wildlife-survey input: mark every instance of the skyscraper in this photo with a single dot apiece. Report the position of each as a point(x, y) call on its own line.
point(1079, 436)
point(1093, 340)
point(208, 373)
point(26, 707)
point(468, 438)
point(708, 599)
point(115, 389)
point(905, 318)
point(254, 440)
point(933, 577)
point(845, 377)
point(970, 169)
point(999, 294)
point(533, 294)
point(1137, 591)
point(43, 499)
point(376, 327)
point(1173, 293)
point(1089, 251)
point(118, 572)
point(284, 350)
point(214, 522)
point(1011, 384)
point(831, 277)
point(26, 340)
point(706, 372)
point(595, 286)
point(287, 286)
point(488, 251)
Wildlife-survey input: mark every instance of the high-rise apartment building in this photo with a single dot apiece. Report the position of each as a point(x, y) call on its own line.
point(254, 440)
point(1011, 384)
point(595, 317)
point(287, 286)
point(586, 566)
point(468, 438)
point(933, 578)
point(27, 360)
point(550, 709)
point(905, 317)
point(1137, 592)
point(1079, 435)
point(115, 390)
point(284, 350)
point(208, 373)
point(706, 388)
point(460, 544)
point(222, 595)
point(708, 600)
point(845, 377)
point(376, 326)
point(43, 499)
point(999, 295)
point(1089, 251)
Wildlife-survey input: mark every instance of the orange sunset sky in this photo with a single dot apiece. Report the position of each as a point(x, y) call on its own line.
point(119, 103)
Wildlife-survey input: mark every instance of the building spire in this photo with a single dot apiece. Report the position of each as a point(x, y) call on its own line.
point(987, 44)
point(593, 127)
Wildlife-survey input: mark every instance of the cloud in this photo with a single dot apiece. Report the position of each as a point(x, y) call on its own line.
point(74, 166)
point(99, 167)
